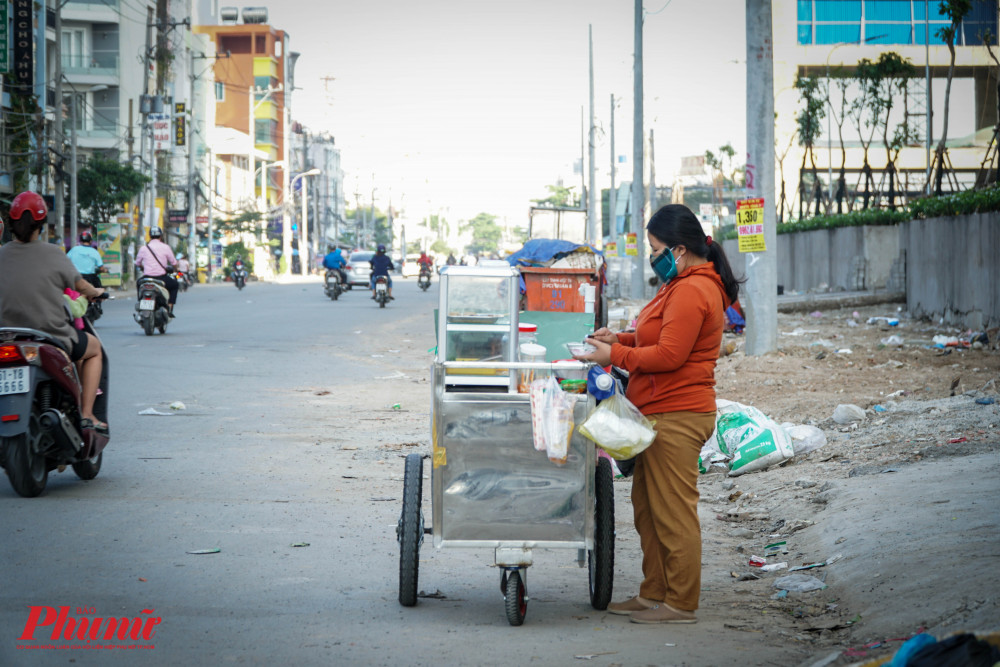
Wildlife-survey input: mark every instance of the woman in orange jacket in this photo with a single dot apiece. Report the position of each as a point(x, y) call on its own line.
point(671, 359)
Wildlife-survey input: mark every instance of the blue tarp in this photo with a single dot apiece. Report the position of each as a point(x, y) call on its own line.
point(540, 252)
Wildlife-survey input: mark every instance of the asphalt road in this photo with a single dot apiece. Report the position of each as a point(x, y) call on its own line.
point(289, 435)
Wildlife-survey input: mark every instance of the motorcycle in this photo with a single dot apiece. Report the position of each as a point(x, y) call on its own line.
point(332, 284)
point(239, 275)
point(381, 291)
point(95, 309)
point(424, 279)
point(183, 280)
point(40, 395)
point(151, 310)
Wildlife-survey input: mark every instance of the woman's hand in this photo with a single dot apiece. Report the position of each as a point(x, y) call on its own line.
point(602, 350)
point(605, 335)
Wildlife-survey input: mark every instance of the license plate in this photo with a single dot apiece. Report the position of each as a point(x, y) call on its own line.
point(14, 380)
point(147, 304)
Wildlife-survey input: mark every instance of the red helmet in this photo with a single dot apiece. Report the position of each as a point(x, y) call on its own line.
point(29, 202)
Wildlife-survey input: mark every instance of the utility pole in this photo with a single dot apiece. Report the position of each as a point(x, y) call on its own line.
point(652, 176)
point(583, 162)
point(761, 288)
point(211, 216)
point(60, 203)
point(304, 229)
point(73, 217)
point(192, 197)
point(145, 104)
point(612, 195)
point(638, 198)
point(593, 220)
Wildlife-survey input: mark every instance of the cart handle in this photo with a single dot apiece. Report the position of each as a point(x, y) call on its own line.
point(519, 365)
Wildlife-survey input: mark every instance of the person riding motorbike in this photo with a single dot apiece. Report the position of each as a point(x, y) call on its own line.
point(335, 261)
point(451, 261)
point(381, 265)
point(425, 262)
point(87, 259)
point(33, 277)
point(154, 258)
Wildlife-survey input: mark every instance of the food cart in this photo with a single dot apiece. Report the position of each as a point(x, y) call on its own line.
point(490, 487)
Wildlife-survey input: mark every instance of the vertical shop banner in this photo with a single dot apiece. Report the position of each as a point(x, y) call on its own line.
point(611, 249)
point(4, 39)
point(750, 225)
point(180, 125)
point(24, 44)
point(160, 122)
point(631, 247)
point(109, 244)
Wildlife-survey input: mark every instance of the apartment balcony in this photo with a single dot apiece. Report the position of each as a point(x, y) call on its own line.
point(99, 67)
point(96, 11)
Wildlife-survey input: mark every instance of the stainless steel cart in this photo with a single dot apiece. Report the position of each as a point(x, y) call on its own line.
point(489, 486)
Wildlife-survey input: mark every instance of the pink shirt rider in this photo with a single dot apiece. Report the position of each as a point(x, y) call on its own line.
point(150, 266)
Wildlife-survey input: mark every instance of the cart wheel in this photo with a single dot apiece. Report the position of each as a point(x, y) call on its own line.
point(410, 530)
point(515, 600)
point(601, 559)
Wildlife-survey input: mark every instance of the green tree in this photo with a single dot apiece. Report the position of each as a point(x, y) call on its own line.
point(440, 247)
point(809, 117)
point(559, 196)
point(891, 81)
point(242, 222)
point(956, 11)
point(104, 186)
point(485, 234)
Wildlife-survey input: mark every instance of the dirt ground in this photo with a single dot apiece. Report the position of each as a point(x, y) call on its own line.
point(904, 501)
point(902, 506)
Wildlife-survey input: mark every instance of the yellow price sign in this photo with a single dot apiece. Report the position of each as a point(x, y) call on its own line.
point(750, 225)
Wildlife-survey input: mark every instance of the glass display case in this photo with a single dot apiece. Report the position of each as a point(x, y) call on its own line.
point(477, 321)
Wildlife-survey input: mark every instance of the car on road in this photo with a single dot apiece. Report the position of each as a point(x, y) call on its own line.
point(358, 269)
point(411, 268)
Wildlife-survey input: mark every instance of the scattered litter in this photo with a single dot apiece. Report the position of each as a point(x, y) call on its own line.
point(437, 595)
point(852, 323)
point(809, 566)
point(799, 583)
point(750, 438)
point(300, 544)
point(775, 548)
point(891, 321)
point(381, 499)
point(986, 400)
point(142, 578)
point(816, 313)
point(757, 561)
point(772, 567)
point(878, 408)
point(955, 441)
point(749, 576)
point(892, 340)
point(591, 656)
point(154, 411)
point(845, 350)
point(349, 447)
point(670, 644)
point(177, 405)
point(799, 332)
point(823, 342)
point(845, 413)
point(205, 551)
point(780, 595)
point(397, 406)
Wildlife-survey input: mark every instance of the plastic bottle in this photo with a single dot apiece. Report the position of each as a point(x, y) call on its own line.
point(529, 352)
point(527, 333)
point(600, 384)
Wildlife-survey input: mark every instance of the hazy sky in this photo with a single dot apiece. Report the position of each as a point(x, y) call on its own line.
point(471, 105)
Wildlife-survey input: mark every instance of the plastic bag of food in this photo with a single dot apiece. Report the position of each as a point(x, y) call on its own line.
point(551, 419)
point(619, 428)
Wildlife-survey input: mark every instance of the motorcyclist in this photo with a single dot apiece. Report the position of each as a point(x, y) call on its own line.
point(425, 262)
point(381, 265)
point(183, 265)
point(87, 259)
point(154, 258)
point(33, 276)
point(451, 261)
point(334, 261)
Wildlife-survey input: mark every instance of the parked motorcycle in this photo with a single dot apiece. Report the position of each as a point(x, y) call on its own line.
point(381, 291)
point(151, 310)
point(41, 430)
point(332, 284)
point(239, 275)
point(424, 279)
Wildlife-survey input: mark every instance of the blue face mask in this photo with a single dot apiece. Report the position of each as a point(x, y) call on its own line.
point(664, 265)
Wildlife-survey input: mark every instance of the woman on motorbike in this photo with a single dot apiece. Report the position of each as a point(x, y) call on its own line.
point(33, 276)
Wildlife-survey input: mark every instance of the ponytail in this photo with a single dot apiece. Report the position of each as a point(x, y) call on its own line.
point(730, 282)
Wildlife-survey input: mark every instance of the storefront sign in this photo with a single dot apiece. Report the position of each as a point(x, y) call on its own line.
point(631, 247)
point(24, 44)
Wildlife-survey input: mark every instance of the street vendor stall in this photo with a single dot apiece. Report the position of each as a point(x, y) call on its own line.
point(490, 486)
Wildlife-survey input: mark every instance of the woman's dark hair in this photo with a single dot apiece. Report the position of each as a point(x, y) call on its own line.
point(22, 228)
point(675, 224)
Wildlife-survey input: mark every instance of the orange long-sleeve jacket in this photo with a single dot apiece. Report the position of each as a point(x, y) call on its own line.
point(671, 356)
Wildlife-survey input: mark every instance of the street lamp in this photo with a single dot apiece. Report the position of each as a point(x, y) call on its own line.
point(304, 222)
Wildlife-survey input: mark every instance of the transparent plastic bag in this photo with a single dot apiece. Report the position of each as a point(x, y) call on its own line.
point(551, 419)
point(619, 428)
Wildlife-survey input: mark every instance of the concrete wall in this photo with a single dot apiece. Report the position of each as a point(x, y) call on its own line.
point(953, 269)
point(951, 265)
